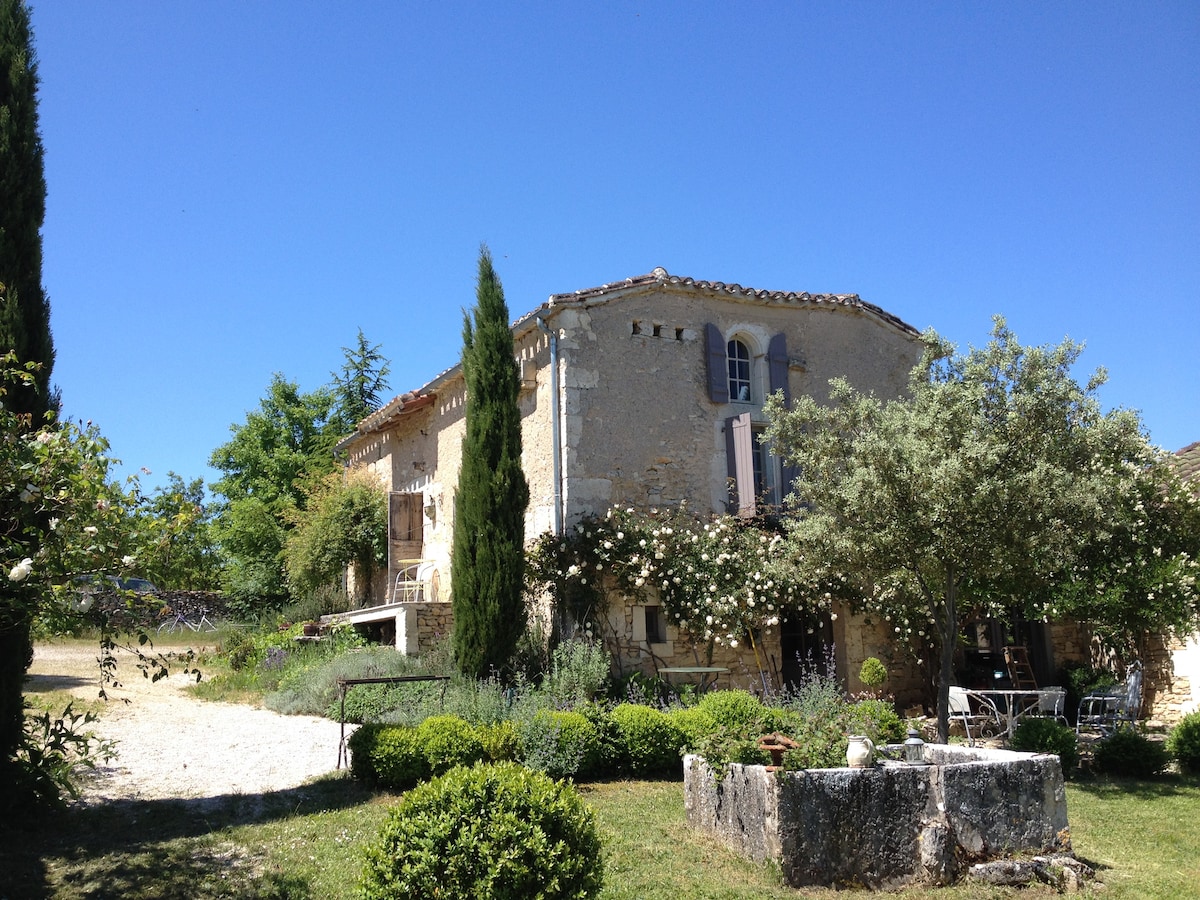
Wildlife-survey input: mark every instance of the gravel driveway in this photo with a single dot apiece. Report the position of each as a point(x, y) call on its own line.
point(172, 745)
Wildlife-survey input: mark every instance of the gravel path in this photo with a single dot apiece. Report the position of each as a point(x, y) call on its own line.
point(172, 745)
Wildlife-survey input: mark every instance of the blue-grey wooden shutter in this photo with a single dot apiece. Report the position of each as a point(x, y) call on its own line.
point(739, 457)
point(777, 366)
point(718, 367)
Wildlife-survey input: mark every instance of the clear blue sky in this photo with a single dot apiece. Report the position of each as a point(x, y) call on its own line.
point(235, 188)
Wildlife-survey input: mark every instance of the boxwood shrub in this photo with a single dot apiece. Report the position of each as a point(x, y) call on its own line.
point(1046, 735)
point(1129, 753)
point(651, 744)
point(562, 744)
point(497, 831)
point(1184, 743)
point(448, 741)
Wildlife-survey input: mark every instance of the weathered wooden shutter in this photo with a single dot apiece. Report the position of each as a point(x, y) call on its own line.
point(718, 367)
point(739, 455)
point(406, 531)
point(777, 366)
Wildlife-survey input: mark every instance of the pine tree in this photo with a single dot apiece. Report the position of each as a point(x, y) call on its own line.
point(25, 331)
point(358, 389)
point(487, 565)
point(24, 309)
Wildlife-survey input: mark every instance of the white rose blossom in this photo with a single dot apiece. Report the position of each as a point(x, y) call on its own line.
point(21, 570)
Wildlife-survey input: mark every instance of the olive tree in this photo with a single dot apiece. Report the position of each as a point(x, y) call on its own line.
point(987, 487)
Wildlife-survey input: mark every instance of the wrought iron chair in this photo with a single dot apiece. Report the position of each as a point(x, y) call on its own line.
point(960, 708)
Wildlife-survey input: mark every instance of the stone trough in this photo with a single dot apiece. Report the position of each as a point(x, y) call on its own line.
point(886, 825)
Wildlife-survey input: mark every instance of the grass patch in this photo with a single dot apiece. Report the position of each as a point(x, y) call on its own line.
point(1142, 836)
point(306, 843)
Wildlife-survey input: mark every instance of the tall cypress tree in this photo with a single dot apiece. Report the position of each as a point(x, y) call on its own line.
point(24, 309)
point(487, 565)
point(24, 330)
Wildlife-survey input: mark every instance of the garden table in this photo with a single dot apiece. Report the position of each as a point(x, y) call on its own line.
point(1007, 706)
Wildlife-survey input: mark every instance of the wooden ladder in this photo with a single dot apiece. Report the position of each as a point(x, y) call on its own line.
point(1019, 670)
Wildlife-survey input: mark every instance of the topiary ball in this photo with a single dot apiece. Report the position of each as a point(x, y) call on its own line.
point(398, 757)
point(496, 831)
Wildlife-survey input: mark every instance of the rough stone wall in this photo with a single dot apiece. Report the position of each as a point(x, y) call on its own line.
point(624, 635)
point(886, 825)
point(640, 427)
point(433, 623)
point(1171, 669)
point(858, 638)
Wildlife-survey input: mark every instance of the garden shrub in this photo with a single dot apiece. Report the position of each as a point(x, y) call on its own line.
point(397, 757)
point(877, 719)
point(1129, 753)
point(579, 672)
point(309, 685)
point(501, 741)
point(366, 703)
point(1046, 735)
point(651, 743)
point(696, 725)
point(822, 745)
point(448, 741)
point(239, 649)
point(873, 673)
point(608, 738)
point(562, 744)
point(724, 746)
point(1184, 742)
point(491, 831)
point(361, 745)
point(740, 711)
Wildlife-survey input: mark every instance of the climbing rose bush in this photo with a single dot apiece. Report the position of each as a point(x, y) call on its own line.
point(721, 578)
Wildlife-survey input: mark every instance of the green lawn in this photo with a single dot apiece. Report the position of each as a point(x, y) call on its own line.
point(305, 843)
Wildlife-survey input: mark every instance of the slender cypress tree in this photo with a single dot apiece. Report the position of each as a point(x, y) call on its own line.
point(487, 566)
point(24, 309)
point(24, 330)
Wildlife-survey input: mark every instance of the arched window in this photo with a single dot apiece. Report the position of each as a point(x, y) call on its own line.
point(737, 355)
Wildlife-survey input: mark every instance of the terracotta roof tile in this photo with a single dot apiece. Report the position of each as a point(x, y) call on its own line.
point(1189, 461)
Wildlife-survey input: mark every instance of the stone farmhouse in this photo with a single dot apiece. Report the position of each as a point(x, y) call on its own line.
point(648, 392)
point(644, 392)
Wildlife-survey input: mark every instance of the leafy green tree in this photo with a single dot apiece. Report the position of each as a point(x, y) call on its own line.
point(61, 517)
point(24, 308)
point(284, 445)
point(1138, 572)
point(980, 491)
point(361, 385)
point(345, 523)
point(487, 562)
point(171, 541)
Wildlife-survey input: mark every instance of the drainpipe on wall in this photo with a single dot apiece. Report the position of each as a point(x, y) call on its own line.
point(554, 428)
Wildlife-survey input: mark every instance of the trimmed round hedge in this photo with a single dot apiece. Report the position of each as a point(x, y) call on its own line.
point(491, 831)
